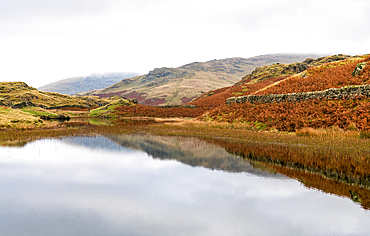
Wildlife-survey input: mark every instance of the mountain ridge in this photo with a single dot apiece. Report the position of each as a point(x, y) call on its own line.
point(174, 86)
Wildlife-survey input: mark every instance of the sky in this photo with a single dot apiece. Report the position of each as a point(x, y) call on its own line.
point(43, 41)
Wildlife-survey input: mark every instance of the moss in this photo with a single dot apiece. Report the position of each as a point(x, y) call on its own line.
point(39, 112)
point(260, 126)
point(237, 93)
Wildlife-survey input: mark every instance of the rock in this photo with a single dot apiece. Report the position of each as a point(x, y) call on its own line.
point(59, 117)
point(5, 102)
point(359, 67)
point(135, 101)
point(23, 104)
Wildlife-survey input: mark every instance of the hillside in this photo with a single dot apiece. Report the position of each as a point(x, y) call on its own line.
point(350, 113)
point(349, 74)
point(85, 83)
point(182, 84)
point(260, 78)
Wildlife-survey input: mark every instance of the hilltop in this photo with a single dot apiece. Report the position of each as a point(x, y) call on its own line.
point(171, 86)
point(22, 106)
point(86, 83)
point(19, 94)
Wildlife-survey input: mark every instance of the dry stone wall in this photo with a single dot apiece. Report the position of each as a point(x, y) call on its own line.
point(173, 106)
point(329, 94)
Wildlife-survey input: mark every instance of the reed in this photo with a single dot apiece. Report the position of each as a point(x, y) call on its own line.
point(332, 132)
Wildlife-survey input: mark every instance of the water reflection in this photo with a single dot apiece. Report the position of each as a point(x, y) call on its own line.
point(78, 186)
point(99, 121)
point(190, 151)
point(196, 152)
point(89, 120)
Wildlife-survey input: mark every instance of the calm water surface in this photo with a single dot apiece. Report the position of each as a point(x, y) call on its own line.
point(147, 185)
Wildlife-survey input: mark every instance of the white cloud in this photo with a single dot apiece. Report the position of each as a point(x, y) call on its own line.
point(45, 41)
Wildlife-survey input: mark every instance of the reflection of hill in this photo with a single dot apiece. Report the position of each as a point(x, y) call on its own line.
point(272, 158)
point(190, 151)
point(95, 142)
point(357, 194)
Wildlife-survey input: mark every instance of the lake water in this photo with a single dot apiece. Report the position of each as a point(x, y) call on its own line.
point(148, 185)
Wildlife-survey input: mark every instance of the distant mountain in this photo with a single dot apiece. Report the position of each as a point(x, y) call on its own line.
point(180, 85)
point(83, 84)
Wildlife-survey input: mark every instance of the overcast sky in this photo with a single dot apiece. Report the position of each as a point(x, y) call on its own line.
point(42, 41)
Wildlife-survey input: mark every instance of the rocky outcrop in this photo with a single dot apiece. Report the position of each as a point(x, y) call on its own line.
point(23, 104)
point(329, 94)
point(5, 102)
point(58, 117)
point(167, 73)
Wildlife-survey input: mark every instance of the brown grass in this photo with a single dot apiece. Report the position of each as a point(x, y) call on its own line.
point(331, 132)
point(292, 116)
point(11, 118)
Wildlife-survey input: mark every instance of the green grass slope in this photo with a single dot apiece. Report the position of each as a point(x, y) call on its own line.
point(173, 86)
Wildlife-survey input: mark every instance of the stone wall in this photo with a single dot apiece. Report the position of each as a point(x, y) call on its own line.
point(173, 106)
point(329, 94)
